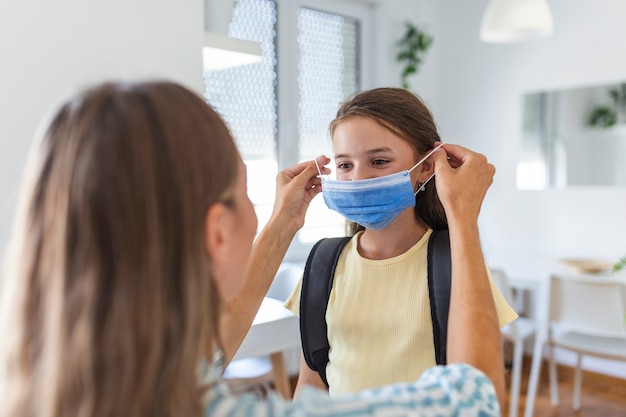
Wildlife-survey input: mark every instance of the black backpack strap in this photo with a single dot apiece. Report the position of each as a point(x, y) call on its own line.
point(317, 281)
point(439, 276)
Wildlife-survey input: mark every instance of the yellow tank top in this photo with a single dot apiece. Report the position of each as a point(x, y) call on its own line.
point(379, 322)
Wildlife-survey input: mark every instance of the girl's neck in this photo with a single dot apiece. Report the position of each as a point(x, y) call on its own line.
point(393, 240)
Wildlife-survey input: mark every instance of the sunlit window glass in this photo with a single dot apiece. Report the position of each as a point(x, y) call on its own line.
point(328, 72)
point(246, 97)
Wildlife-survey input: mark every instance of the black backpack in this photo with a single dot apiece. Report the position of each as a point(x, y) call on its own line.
point(317, 283)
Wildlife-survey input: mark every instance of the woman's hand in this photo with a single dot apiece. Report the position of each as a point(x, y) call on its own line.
point(462, 177)
point(295, 188)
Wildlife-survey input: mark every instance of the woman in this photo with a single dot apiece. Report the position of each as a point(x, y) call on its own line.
point(130, 268)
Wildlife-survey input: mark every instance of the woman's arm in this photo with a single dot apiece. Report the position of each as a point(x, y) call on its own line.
point(473, 334)
point(295, 188)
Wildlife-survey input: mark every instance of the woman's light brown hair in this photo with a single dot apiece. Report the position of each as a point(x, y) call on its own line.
point(114, 303)
point(404, 114)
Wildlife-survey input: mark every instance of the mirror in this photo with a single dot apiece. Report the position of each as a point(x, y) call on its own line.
point(573, 137)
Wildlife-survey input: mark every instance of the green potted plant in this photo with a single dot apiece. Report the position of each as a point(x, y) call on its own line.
point(618, 95)
point(412, 48)
point(619, 265)
point(602, 116)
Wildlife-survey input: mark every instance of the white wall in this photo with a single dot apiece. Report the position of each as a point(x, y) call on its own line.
point(479, 105)
point(50, 48)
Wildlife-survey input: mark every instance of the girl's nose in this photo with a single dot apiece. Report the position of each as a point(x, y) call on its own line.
point(359, 173)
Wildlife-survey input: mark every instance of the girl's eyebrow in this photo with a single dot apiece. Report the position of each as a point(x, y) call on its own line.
point(368, 152)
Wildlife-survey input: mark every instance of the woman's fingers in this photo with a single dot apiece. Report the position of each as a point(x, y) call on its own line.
point(463, 178)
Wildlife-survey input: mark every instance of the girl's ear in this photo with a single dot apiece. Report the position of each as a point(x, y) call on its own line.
point(426, 170)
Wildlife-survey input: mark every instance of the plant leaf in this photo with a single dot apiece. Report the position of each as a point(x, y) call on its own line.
point(619, 265)
point(413, 46)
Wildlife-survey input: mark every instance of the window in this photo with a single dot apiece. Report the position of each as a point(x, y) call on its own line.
point(328, 72)
point(314, 56)
point(246, 97)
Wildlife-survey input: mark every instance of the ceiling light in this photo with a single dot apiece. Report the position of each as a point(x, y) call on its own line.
point(507, 21)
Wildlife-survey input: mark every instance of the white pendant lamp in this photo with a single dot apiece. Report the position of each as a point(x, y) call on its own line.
point(221, 51)
point(507, 21)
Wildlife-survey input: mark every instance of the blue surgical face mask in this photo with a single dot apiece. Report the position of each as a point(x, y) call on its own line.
point(375, 202)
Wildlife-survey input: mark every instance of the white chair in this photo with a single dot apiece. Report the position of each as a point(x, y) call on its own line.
point(285, 281)
point(517, 332)
point(586, 315)
point(249, 375)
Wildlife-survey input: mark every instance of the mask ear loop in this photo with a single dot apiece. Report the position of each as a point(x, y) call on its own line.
point(422, 186)
point(427, 156)
point(319, 170)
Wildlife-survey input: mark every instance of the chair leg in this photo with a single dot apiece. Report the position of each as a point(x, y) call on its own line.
point(554, 391)
point(281, 379)
point(516, 377)
point(577, 381)
point(533, 382)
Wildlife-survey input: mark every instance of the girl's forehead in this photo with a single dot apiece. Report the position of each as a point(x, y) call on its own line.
point(366, 140)
point(360, 129)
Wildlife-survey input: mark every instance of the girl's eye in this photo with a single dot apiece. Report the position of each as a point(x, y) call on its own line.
point(344, 165)
point(380, 161)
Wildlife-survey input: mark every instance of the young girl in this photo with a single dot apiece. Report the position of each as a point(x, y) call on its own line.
point(378, 316)
point(134, 264)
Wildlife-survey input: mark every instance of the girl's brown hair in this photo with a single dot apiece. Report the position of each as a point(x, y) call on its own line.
point(113, 303)
point(404, 114)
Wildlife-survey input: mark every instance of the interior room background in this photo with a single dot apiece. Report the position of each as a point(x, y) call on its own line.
point(48, 49)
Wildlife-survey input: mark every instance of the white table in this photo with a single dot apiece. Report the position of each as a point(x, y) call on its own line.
point(274, 330)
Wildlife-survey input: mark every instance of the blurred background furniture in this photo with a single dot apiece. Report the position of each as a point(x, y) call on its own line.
point(517, 333)
point(259, 363)
point(285, 281)
point(585, 315)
